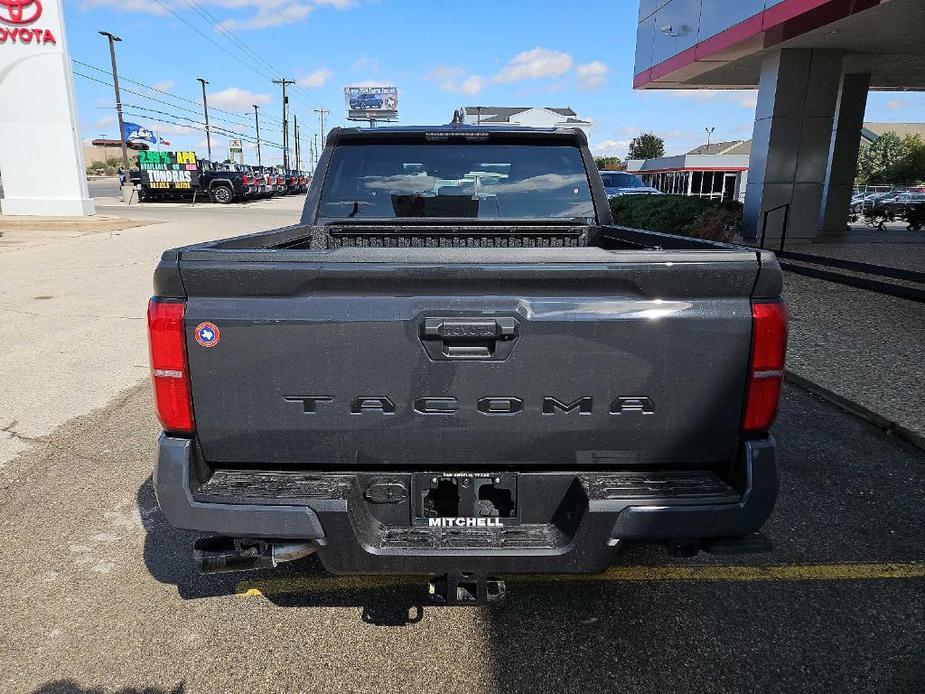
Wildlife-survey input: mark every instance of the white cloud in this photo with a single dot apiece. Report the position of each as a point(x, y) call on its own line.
point(592, 75)
point(364, 62)
point(454, 79)
point(695, 94)
point(743, 99)
point(473, 84)
point(749, 100)
point(237, 99)
point(537, 63)
point(171, 129)
point(895, 105)
point(164, 85)
point(609, 148)
point(337, 4)
point(272, 13)
point(146, 6)
point(371, 82)
point(267, 13)
point(318, 78)
point(105, 122)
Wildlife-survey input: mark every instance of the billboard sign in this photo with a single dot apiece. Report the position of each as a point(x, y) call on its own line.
point(168, 170)
point(371, 103)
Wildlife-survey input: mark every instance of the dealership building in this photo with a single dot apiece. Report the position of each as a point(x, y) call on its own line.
point(717, 171)
point(813, 63)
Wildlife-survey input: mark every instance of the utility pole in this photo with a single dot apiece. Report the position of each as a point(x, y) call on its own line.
point(283, 83)
point(205, 108)
point(321, 112)
point(317, 151)
point(115, 83)
point(295, 132)
point(257, 123)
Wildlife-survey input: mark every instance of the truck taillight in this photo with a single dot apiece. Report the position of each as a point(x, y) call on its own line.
point(766, 371)
point(279, 180)
point(247, 180)
point(169, 367)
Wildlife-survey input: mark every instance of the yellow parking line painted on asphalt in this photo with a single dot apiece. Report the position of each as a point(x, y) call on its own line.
point(774, 572)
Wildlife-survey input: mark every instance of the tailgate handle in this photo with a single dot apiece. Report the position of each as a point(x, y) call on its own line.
point(469, 338)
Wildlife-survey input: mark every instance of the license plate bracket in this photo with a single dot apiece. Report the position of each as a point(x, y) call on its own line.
point(465, 499)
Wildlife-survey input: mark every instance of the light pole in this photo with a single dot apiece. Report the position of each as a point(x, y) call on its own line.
point(709, 132)
point(115, 83)
point(284, 82)
point(295, 133)
point(257, 124)
point(205, 108)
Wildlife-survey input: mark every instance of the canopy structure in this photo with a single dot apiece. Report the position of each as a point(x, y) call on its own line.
point(813, 62)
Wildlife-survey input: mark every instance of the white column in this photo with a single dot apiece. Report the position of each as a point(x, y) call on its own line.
point(41, 159)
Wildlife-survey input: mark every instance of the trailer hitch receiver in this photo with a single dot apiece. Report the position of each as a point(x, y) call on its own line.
point(460, 588)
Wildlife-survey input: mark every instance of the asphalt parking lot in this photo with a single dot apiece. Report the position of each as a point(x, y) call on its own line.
point(100, 595)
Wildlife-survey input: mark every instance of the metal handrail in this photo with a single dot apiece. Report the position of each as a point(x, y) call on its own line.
point(783, 232)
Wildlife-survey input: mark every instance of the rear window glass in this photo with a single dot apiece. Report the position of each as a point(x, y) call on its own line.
point(621, 180)
point(476, 181)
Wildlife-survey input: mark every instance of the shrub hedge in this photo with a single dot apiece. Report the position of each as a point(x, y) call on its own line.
point(679, 214)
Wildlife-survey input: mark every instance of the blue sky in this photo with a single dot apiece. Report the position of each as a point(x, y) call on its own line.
point(440, 54)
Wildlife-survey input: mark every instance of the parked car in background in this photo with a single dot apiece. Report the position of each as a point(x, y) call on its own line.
point(296, 182)
point(617, 183)
point(900, 203)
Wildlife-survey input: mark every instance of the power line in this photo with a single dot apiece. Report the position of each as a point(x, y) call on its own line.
point(236, 41)
point(166, 121)
point(197, 125)
point(156, 89)
point(299, 91)
point(191, 123)
point(219, 27)
point(219, 129)
point(215, 43)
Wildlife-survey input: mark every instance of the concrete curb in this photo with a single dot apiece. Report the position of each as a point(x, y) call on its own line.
point(858, 410)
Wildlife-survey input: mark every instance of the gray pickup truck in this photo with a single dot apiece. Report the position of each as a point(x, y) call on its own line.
point(457, 366)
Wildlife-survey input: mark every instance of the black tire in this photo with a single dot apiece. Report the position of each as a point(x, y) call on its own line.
point(223, 195)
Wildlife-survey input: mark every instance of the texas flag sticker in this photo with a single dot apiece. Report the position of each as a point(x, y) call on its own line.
point(207, 334)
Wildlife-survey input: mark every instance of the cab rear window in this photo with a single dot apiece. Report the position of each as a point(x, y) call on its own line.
point(479, 181)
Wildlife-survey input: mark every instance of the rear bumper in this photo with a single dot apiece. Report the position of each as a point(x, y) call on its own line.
point(586, 525)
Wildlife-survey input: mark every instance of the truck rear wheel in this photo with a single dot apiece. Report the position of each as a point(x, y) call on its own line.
point(222, 195)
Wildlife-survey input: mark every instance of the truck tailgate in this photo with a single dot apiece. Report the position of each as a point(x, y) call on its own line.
point(603, 359)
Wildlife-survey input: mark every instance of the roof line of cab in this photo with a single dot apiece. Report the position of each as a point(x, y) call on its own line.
point(453, 131)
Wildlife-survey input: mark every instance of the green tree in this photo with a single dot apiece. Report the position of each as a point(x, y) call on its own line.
point(877, 160)
point(647, 146)
point(910, 169)
point(608, 163)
